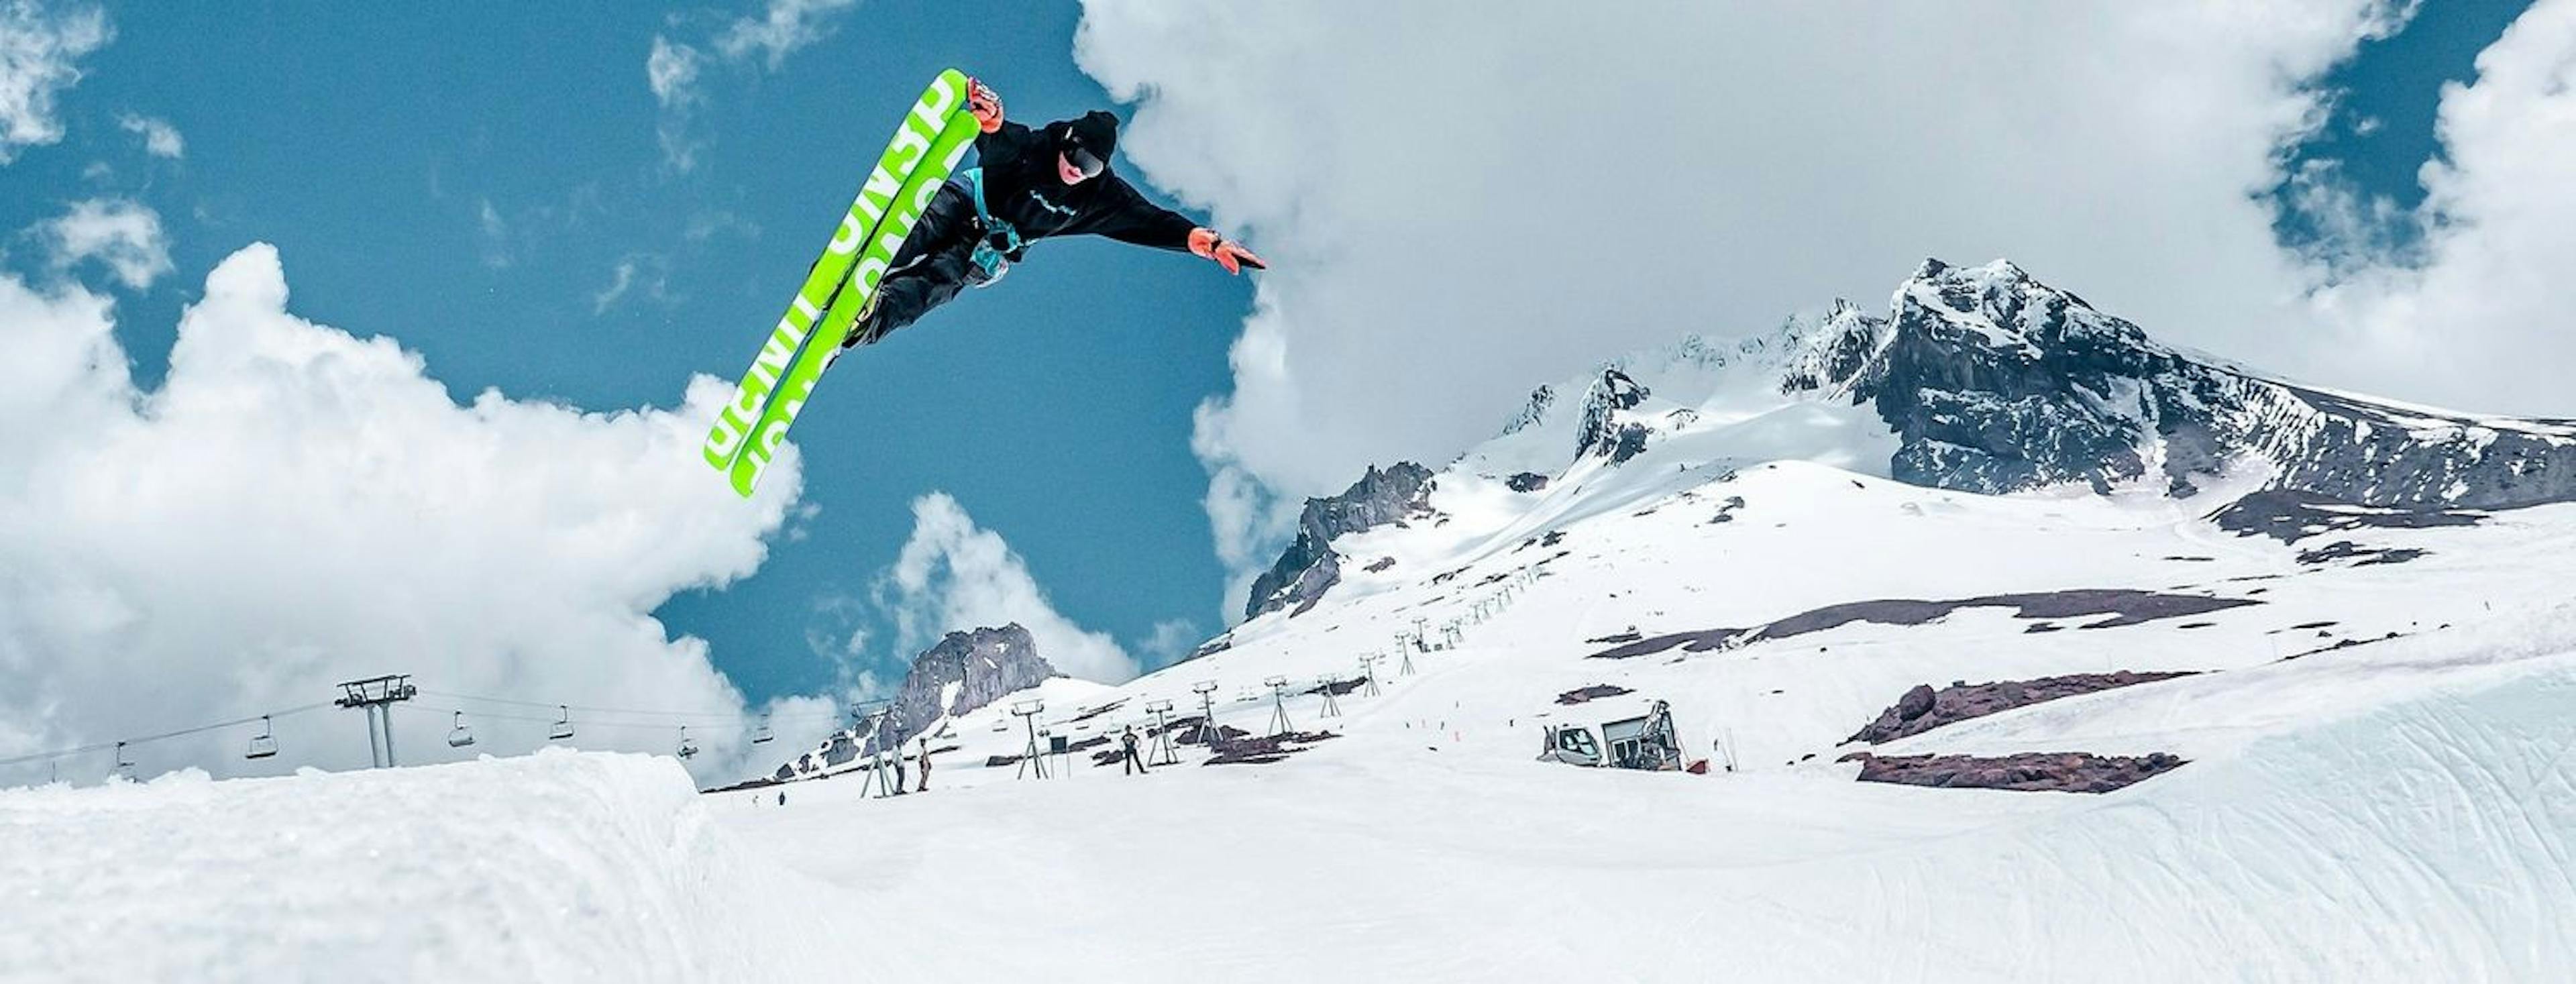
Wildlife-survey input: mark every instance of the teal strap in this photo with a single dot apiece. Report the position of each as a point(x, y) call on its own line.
point(994, 260)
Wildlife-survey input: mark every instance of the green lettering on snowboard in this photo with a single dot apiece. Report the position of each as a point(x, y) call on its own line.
point(944, 152)
point(921, 144)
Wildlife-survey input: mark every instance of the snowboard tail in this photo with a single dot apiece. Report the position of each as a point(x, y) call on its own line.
point(928, 145)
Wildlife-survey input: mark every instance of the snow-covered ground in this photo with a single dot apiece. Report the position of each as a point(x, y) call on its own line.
point(2397, 810)
point(2381, 781)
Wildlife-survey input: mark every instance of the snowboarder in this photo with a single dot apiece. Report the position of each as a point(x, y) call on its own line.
point(1129, 763)
point(1028, 184)
point(925, 767)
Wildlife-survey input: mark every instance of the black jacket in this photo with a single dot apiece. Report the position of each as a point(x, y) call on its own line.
point(1021, 187)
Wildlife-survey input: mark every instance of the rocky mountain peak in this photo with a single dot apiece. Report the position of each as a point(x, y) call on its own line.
point(1602, 432)
point(1995, 382)
point(1309, 566)
point(963, 671)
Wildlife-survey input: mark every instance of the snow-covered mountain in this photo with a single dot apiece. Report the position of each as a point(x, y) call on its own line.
point(963, 672)
point(1979, 379)
point(1997, 622)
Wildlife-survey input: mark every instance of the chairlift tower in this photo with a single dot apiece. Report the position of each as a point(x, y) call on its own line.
point(1028, 710)
point(1163, 752)
point(1404, 668)
point(1332, 708)
point(882, 760)
point(1278, 704)
point(1368, 672)
point(1206, 689)
point(378, 695)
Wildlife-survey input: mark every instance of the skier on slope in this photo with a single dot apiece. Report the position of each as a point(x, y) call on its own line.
point(1027, 185)
point(1129, 762)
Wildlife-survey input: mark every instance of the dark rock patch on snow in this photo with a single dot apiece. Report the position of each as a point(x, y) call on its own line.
point(1096, 711)
point(2062, 772)
point(1526, 482)
point(1266, 749)
point(1339, 688)
point(1923, 709)
point(2360, 556)
point(2290, 516)
point(2126, 606)
point(1594, 692)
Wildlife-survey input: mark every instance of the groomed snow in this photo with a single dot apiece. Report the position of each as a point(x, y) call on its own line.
point(558, 866)
point(2400, 809)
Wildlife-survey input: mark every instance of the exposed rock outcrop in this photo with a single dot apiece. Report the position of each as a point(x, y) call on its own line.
point(1995, 382)
point(962, 672)
point(1309, 566)
point(1602, 432)
point(1923, 709)
point(2062, 772)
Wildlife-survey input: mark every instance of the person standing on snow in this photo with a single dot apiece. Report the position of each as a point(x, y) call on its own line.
point(1129, 763)
point(1027, 185)
point(925, 767)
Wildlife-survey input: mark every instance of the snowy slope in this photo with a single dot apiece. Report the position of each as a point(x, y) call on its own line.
point(556, 866)
point(2376, 785)
point(2396, 810)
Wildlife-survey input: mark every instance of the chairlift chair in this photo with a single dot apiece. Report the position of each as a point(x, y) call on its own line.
point(563, 725)
point(263, 744)
point(762, 734)
point(688, 748)
point(460, 735)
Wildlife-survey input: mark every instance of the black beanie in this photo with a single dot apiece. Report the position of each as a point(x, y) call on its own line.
point(1095, 131)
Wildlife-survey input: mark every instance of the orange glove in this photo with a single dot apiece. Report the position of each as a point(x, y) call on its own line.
point(986, 104)
point(1205, 242)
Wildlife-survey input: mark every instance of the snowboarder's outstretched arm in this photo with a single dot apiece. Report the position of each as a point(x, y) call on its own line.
point(1126, 216)
point(1116, 210)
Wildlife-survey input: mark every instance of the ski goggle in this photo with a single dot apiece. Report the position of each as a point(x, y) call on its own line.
point(1083, 161)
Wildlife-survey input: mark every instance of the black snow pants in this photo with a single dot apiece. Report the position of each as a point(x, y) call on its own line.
point(936, 262)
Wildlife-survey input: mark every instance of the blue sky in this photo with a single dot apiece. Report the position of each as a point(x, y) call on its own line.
point(495, 187)
point(2380, 132)
point(366, 142)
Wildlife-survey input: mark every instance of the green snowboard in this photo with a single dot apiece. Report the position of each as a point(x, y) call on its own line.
point(932, 139)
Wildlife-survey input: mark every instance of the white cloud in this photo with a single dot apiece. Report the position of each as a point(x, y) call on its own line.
point(40, 54)
point(954, 575)
point(1171, 640)
point(784, 27)
point(160, 139)
point(296, 506)
point(2477, 316)
point(672, 70)
point(1459, 207)
point(675, 69)
point(123, 234)
point(647, 273)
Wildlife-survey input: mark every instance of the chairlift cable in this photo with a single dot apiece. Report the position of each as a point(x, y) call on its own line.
point(181, 733)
